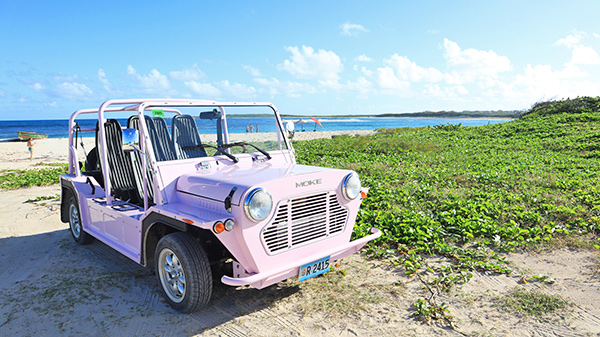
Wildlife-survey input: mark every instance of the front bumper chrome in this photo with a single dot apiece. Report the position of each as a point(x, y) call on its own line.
point(267, 278)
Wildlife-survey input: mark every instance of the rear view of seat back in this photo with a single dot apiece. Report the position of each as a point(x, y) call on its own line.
point(119, 166)
point(186, 138)
point(136, 160)
point(160, 138)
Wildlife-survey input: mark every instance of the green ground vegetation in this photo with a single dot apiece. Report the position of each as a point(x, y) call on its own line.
point(469, 193)
point(46, 174)
point(532, 303)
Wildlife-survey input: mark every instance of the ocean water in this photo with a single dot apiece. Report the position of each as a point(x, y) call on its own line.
point(58, 128)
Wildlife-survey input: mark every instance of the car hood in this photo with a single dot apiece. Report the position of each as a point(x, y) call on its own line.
point(235, 181)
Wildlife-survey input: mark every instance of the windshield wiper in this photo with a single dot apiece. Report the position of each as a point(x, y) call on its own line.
point(244, 144)
point(230, 156)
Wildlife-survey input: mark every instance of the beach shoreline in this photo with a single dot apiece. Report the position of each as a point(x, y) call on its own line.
point(15, 155)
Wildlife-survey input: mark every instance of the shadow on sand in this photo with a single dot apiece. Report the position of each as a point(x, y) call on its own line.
point(51, 285)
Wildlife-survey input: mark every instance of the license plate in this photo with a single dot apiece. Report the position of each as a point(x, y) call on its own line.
point(314, 268)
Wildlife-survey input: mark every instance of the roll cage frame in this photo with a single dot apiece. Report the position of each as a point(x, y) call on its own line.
point(146, 146)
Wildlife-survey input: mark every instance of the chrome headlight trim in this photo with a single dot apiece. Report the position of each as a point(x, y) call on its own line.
point(351, 186)
point(258, 204)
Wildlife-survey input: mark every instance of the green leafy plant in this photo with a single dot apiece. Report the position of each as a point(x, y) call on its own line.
point(427, 311)
point(45, 197)
point(470, 193)
point(11, 179)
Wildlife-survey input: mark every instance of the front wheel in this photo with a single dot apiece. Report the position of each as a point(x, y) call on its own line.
point(183, 272)
point(75, 224)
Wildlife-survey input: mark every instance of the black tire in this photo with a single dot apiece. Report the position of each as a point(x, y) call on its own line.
point(183, 272)
point(75, 224)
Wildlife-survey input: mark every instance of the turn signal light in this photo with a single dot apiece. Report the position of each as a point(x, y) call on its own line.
point(363, 194)
point(219, 227)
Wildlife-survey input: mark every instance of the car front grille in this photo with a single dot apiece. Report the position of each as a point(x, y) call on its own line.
point(303, 220)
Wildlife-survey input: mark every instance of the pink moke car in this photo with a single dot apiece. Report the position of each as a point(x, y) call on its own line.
point(170, 187)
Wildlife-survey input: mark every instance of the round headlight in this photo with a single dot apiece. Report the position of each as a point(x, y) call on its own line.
point(351, 186)
point(258, 204)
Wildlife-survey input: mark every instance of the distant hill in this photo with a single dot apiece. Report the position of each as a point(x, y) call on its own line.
point(456, 114)
point(579, 105)
point(429, 114)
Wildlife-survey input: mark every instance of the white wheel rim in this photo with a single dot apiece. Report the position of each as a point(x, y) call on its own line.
point(172, 275)
point(75, 221)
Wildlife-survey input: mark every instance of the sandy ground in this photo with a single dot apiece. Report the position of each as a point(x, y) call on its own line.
point(49, 285)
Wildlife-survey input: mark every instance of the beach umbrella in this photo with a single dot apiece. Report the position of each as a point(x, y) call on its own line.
point(316, 121)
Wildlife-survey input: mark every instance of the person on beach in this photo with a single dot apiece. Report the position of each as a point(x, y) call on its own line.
point(251, 127)
point(247, 128)
point(256, 127)
point(30, 145)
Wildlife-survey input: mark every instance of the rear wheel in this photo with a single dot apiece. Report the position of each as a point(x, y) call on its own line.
point(75, 224)
point(183, 272)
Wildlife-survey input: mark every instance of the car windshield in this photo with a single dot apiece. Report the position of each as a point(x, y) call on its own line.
point(201, 132)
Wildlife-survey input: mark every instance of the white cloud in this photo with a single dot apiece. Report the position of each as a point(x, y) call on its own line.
point(571, 40)
point(409, 70)
point(189, 74)
point(362, 86)
point(252, 71)
point(581, 54)
point(37, 87)
point(363, 58)
point(66, 78)
point(387, 80)
point(206, 90)
point(584, 55)
point(542, 82)
point(470, 64)
point(237, 90)
point(154, 83)
point(221, 90)
point(434, 90)
point(104, 80)
point(366, 71)
point(73, 90)
point(352, 29)
point(306, 64)
point(288, 88)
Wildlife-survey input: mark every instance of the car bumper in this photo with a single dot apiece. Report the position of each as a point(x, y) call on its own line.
point(267, 278)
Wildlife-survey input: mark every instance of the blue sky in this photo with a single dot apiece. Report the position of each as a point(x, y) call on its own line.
point(307, 57)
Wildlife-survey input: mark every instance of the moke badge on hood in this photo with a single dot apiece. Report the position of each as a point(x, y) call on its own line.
point(308, 183)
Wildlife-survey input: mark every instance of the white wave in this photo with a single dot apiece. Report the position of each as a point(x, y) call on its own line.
point(339, 120)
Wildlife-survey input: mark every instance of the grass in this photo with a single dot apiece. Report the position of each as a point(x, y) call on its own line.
point(470, 193)
point(47, 175)
point(43, 198)
point(532, 303)
point(504, 185)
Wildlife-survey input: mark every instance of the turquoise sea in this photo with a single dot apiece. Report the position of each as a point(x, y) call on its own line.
point(58, 128)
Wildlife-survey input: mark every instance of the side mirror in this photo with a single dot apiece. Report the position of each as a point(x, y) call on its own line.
point(131, 137)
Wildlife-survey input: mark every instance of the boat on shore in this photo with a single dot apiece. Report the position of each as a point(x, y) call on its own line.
point(24, 135)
